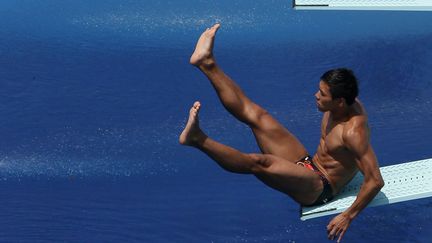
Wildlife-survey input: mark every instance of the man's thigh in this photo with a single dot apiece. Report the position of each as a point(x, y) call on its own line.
point(275, 139)
point(302, 184)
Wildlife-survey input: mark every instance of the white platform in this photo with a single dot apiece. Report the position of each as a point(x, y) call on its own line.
point(403, 182)
point(408, 5)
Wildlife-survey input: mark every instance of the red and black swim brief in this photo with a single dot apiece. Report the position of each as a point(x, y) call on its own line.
point(327, 193)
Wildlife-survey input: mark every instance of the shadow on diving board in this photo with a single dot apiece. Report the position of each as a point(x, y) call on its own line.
point(403, 182)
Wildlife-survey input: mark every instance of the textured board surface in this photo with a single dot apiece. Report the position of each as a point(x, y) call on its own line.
point(414, 5)
point(403, 182)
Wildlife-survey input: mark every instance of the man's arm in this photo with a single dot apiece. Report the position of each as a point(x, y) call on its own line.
point(357, 141)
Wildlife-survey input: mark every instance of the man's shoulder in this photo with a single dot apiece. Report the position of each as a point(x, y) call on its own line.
point(357, 120)
point(356, 125)
point(358, 117)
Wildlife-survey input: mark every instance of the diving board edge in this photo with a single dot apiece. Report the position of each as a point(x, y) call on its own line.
point(395, 5)
point(306, 216)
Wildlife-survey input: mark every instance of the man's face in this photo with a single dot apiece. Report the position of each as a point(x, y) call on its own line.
point(323, 97)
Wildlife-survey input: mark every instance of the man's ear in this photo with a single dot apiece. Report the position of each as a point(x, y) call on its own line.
point(342, 102)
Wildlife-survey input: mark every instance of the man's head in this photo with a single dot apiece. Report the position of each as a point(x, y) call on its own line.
point(338, 87)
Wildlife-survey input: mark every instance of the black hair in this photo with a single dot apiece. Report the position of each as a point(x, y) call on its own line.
point(342, 83)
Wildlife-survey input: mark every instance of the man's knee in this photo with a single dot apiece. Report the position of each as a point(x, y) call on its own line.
point(260, 163)
point(255, 114)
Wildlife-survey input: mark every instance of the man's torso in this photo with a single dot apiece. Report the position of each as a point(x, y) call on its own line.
point(333, 158)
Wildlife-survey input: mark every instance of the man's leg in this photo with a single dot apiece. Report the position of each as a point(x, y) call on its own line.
point(303, 185)
point(271, 136)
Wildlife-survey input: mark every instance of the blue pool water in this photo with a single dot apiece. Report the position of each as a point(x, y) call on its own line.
point(94, 94)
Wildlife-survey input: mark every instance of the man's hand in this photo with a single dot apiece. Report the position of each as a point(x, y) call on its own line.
point(338, 226)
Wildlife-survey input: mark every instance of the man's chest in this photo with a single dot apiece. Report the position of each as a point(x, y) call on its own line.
point(332, 136)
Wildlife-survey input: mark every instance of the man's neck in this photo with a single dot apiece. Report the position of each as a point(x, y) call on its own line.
point(341, 114)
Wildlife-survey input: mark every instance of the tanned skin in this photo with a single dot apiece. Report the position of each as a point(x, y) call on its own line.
point(344, 147)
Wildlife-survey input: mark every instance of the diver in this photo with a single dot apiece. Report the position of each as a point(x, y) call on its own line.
point(284, 164)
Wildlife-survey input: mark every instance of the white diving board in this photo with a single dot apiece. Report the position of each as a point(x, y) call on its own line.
point(406, 5)
point(403, 182)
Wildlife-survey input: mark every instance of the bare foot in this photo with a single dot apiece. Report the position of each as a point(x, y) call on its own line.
point(203, 54)
point(192, 132)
